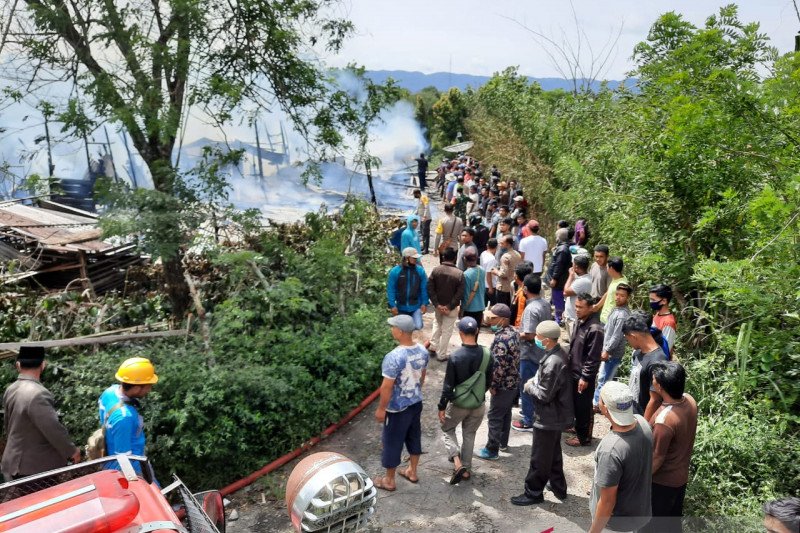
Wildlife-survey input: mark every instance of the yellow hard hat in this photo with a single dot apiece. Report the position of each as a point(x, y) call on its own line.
point(137, 371)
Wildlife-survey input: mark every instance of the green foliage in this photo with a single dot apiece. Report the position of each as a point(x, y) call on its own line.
point(447, 117)
point(423, 102)
point(693, 180)
point(297, 335)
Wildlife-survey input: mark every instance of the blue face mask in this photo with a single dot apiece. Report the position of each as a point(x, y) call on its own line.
point(539, 343)
point(495, 329)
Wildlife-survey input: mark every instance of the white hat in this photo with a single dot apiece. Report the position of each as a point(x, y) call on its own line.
point(618, 400)
point(411, 252)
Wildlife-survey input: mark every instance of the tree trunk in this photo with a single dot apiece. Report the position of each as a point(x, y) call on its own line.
point(175, 285)
point(373, 199)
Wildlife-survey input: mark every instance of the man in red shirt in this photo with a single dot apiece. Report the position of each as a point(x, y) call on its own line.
point(674, 427)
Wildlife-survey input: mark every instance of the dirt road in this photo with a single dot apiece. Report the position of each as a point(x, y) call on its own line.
point(480, 505)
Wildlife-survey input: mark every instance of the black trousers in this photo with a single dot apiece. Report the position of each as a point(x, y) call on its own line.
point(584, 414)
point(667, 509)
point(425, 230)
point(423, 183)
point(477, 315)
point(499, 419)
point(501, 297)
point(547, 464)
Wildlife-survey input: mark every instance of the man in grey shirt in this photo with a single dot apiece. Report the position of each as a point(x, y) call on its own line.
point(578, 281)
point(623, 465)
point(599, 271)
point(466, 237)
point(614, 340)
point(530, 355)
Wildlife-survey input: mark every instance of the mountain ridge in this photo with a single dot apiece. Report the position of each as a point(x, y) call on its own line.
point(415, 81)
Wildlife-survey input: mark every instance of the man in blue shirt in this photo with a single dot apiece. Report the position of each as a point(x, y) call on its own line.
point(407, 288)
point(119, 409)
point(400, 405)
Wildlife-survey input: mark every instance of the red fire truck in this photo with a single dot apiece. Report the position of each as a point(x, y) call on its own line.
point(93, 497)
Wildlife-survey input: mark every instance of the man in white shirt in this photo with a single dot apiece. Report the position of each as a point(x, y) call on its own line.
point(534, 248)
point(579, 281)
point(488, 262)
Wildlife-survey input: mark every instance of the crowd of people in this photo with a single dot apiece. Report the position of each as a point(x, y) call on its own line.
point(37, 441)
point(557, 358)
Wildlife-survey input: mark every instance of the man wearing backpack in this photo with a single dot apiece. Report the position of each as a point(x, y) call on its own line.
point(120, 409)
point(468, 374)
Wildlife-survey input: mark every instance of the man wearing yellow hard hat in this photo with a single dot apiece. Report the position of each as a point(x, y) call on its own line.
point(120, 409)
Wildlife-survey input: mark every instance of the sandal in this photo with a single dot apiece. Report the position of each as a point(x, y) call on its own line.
point(403, 472)
point(380, 483)
point(458, 475)
point(575, 442)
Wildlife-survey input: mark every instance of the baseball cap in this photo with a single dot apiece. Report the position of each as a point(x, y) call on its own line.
point(411, 252)
point(468, 325)
point(619, 401)
point(548, 329)
point(499, 310)
point(518, 198)
point(402, 322)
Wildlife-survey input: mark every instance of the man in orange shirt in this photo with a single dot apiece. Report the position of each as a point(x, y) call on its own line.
point(518, 300)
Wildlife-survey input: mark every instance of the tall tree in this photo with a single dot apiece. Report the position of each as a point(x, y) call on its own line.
point(142, 63)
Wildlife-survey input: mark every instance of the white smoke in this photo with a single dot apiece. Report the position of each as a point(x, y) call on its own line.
point(396, 138)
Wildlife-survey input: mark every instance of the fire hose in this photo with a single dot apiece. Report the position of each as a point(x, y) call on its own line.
point(277, 463)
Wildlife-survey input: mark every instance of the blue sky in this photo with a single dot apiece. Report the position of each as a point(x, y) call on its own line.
point(477, 37)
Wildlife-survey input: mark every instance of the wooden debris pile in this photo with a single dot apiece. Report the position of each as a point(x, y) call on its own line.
point(56, 246)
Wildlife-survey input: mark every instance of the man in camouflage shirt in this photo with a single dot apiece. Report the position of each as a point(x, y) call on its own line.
point(505, 380)
point(460, 201)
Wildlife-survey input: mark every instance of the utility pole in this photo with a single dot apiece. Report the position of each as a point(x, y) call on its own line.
point(110, 153)
point(130, 160)
point(258, 146)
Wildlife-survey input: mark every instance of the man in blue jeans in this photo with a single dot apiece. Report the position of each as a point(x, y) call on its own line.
point(530, 354)
point(614, 341)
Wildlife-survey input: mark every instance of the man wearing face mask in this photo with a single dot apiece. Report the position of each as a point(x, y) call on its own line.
point(551, 390)
point(537, 310)
point(504, 382)
point(663, 319)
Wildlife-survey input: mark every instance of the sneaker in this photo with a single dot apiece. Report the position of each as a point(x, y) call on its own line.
point(484, 453)
point(519, 426)
point(504, 449)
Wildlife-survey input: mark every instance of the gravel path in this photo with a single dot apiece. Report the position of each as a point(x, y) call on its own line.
point(480, 505)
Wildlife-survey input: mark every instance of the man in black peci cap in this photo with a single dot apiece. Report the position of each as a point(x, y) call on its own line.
point(36, 439)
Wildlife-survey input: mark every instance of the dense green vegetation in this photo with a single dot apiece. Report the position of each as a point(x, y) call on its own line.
point(296, 337)
point(693, 179)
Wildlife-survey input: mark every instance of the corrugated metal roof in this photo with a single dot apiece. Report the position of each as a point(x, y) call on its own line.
point(53, 229)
